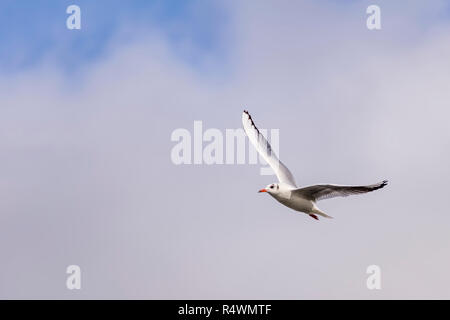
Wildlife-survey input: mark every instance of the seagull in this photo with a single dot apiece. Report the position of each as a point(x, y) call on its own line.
point(286, 190)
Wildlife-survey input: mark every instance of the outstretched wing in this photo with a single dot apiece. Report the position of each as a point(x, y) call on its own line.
point(326, 191)
point(265, 150)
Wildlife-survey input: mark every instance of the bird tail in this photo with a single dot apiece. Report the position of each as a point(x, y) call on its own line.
point(321, 213)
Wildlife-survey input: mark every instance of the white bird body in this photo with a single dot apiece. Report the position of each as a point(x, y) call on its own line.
point(286, 191)
point(286, 195)
point(293, 202)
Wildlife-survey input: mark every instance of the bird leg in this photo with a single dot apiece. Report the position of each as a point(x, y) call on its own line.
point(313, 216)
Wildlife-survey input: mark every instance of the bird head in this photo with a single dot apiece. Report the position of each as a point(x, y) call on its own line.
point(271, 188)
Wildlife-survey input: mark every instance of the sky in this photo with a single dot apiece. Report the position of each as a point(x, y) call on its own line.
point(86, 119)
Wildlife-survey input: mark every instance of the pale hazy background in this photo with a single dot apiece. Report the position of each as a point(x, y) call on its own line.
point(86, 176)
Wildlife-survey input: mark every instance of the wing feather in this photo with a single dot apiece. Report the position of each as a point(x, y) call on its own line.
point(327, 191)
point(265, 150)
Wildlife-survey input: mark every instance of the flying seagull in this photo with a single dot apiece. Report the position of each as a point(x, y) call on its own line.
point(286, 191)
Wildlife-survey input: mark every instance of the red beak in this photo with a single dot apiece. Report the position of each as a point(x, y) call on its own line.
point(262, 190)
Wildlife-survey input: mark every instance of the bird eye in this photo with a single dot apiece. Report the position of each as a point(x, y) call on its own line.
point(271, 187)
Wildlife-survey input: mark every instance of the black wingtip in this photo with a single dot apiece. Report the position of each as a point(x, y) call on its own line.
point(251, 120)
point(377, 186)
